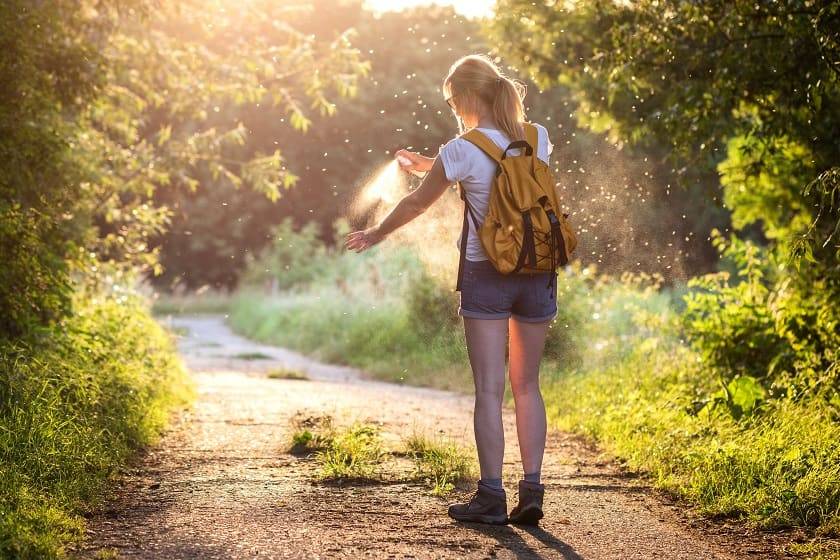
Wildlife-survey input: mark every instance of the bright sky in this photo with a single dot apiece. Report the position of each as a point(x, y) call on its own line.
point(469, 8)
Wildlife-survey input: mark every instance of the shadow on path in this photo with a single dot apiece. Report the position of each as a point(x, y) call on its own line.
point(509, 539)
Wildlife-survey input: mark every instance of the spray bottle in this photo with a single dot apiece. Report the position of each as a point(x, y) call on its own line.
point(405, 162)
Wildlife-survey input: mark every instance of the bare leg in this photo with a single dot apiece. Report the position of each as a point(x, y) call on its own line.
point(486, 342)
point(526, 347)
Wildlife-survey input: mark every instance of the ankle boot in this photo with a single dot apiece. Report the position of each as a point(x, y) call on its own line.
point(529, 509)
point(487, 505)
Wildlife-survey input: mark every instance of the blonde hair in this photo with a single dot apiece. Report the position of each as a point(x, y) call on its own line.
point(476, 77)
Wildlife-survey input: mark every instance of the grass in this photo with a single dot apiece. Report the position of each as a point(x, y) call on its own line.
point(356, 333)
point(818, 549)
point(442, 465)
point(310, 433)
point(76, 403)
point(107, 554)
point(354, 453)
point(778, 469)
point(287, 374)
point(352, 309)
point(252, 356)
point(199, 302)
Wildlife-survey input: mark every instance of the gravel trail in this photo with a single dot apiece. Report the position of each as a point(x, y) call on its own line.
point(220, 483)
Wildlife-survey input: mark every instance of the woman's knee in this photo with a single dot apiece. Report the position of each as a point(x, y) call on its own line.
point(523, 387)
point(490, 394)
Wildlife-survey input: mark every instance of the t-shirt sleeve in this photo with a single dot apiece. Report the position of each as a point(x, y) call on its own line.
point(544, 145)
point(454, 160)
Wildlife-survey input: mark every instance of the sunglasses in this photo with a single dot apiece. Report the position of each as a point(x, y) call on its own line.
point(449, 102)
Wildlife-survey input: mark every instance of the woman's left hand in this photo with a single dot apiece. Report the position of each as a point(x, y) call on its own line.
point(362, 240)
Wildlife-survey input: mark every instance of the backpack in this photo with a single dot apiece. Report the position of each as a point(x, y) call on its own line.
point(524, 230)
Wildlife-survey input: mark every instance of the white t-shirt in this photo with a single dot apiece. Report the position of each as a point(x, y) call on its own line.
point(465, 162)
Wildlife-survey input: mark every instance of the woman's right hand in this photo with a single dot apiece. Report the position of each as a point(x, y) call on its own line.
point(417, 161)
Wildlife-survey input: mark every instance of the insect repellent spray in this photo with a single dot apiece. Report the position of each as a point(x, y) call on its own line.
point(405, 162)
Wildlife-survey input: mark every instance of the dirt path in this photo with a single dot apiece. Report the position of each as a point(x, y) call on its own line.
point(221, 485)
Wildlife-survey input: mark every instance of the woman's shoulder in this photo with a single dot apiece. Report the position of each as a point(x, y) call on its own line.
point(458, 147)
point(455, 146)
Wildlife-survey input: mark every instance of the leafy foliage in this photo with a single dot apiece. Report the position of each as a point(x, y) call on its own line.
point(294, 257)
point(753, 91)
point(762, 327)
point(121, 99)
point(73, 406)
point(102, 103)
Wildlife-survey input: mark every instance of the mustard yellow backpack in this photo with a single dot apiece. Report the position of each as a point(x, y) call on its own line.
point(524, 230)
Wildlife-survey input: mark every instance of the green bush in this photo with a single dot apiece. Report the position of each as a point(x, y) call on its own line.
point(432, 306)
point(34, 284)
point(295, 256)
point(378, 310)
point(764, 328)
point(73, 405)
point(776, 469)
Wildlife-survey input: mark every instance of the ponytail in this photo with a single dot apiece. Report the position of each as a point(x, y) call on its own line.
point(507, 107)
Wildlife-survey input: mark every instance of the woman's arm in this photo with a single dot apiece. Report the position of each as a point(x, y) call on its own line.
point(409, 207)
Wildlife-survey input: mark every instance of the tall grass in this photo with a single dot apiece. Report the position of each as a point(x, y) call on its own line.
point(379, 311)
point(74, 404)
point(441, 464)
point(780, 468)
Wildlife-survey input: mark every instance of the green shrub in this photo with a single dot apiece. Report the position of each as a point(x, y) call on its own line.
point(779, 468)
point(34, 282)
point(352, 453)
point(760, 327)
point(294, 257)
point(73, 405)
point(432, 306)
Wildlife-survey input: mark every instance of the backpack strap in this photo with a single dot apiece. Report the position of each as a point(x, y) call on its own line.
point(532, 137)
point(465, 232)
point(490, 148)
point(477, 138)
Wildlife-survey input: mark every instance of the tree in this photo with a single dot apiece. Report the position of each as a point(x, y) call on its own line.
point(750, 90)
point(103, 103)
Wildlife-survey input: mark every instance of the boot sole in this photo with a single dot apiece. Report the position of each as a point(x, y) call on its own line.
point(529, 516)
point(480, 518)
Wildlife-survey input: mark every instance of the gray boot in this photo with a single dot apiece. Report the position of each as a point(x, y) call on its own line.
point(529, 509)
point(487, 505)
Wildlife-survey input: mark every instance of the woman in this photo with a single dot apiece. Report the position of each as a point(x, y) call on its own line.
point(496, 308)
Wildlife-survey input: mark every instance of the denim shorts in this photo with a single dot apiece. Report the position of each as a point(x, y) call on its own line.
point(486, 293)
